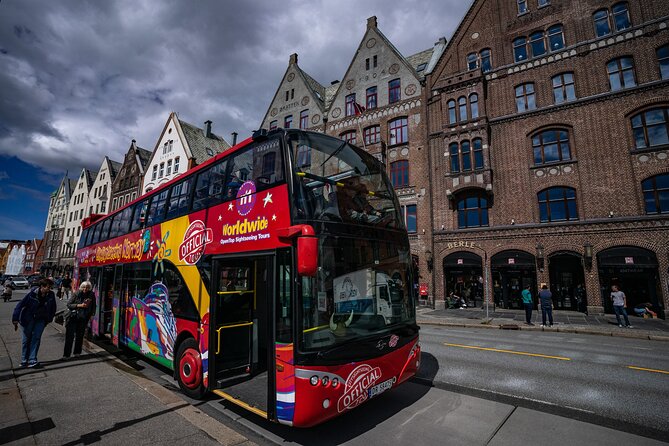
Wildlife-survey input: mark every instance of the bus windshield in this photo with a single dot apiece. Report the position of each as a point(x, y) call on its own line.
point(338, 182)
point(361, 290)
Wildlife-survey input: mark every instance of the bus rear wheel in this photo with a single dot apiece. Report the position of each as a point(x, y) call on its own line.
point(189, 372)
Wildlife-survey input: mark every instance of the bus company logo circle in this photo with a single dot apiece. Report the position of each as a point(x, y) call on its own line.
point(197, 236)
point(357, 385)
point(246, 197)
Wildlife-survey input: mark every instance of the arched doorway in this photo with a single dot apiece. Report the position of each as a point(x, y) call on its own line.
point(567, 281)
point(512, 271)
point(463, 275)
point(635, 271)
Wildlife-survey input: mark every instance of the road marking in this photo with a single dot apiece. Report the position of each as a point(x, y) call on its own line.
point(561, 358)
point(647, 370)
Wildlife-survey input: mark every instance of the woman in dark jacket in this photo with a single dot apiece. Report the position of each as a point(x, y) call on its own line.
point(81, 306)
point(35, 310)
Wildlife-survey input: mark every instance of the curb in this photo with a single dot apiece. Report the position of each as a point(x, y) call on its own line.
point(565, 329)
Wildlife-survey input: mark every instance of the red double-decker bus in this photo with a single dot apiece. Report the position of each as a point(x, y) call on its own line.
point(276, 275)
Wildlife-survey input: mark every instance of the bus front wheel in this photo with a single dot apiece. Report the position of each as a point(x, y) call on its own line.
point(189, 373)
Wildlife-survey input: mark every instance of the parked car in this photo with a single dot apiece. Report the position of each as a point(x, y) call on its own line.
point(34, 278)
point(20, 282)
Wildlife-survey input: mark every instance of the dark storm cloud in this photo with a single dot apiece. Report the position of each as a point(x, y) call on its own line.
point(81, 79)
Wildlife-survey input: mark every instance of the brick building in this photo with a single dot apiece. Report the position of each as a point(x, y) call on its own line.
point(378, 106)
point(548, 125)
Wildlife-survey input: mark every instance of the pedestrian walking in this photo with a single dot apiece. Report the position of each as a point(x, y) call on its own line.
point(527, 303)
point(66, 287)
point(546, 303)
point(81, 306)
point(619, 303)
point(33, 312)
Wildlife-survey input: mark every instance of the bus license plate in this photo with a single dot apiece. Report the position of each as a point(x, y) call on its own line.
point(380, 388)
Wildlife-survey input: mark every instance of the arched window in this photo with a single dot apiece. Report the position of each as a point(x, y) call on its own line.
point(486, 60)
point(563, 88)
point(466, 156)
point(537, 44)
point(462, 108)
point(474, 105)
point(394, 91)
point(472, 61)
point(621, 73)
point(451, 112)
point(656, 194)
point(472, 210)
point(555, 38)
point(525, 99)
point(520, 49)
point(651, 128)
point(663, 60)
point(372, 134)
point(398, 131)
point(551, 146)
point(399, 173)
point(477, 149)
point(454, 152)
point(557, 204)
point(349, 137)
point(621, 16)
point(601, 21)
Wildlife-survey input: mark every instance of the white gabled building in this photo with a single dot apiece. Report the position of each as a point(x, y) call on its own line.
point(79, 208)
point(55, 226)
point(101, 189)
point(181, 146)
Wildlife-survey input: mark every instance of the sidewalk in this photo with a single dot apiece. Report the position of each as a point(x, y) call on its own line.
point(564, 321)
point(92, 398)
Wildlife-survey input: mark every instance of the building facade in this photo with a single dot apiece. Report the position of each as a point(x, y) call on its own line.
point(547, 127)
point(55, 227)
point(100, 196)
point(79, 207)
point(180, 147)
point(30, 266)
point(128, 183)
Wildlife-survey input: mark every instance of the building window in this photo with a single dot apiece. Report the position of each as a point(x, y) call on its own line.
point(462, 108)
point(349, 137)
point(651, 128)
point(542, 3)
point(161, 170)
point(398, 131)
point(621, 16)
point(486, 60)
point(176, 164)
point(273, 125)
point(537, 44)
point(303, 156)
point(525, 97)
point(477, 148)
point(466, 157)
point(394, 92)
point(601, 22)
point(472, 210)
point(103, 206)
point(557, 204)
point(372, 134)
point(169, 167)
point(555, 38)
point(474, 105)
point(350, 105)
point(522, 6)
point(621, 73)
point(551, 146)
point(371, 99)
point(663, 60)
point(288, 122)
point(304, 119)
point(154, 174)
point(519, 49)
point(367, 64)
point(472, 61)
point(451, 112)
point(656, 194)
point(563, 88)
point(374, 59)
point(399, 173)
point(410, 218)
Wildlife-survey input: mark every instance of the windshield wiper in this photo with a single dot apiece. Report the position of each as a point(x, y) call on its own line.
point(337, 150)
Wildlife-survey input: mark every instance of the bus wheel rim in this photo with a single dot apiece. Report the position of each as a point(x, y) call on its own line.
point(190, 368)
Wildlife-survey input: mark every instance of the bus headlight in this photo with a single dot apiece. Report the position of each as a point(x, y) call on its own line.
point(314, 380)
point(325, 380)
point(335, 382)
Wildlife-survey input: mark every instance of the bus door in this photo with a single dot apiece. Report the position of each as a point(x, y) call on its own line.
point(116, 319)
point(106, 292)
point(240, 320)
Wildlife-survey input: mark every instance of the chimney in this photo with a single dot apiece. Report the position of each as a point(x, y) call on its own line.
point(293, 59)
point(207, 129)
point(234, 138)
point(371, 22)
point(335, 82)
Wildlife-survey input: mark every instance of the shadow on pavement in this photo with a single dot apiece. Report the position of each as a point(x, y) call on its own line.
point(26, 429)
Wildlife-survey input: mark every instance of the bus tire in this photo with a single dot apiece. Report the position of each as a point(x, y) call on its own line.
point(189, 369)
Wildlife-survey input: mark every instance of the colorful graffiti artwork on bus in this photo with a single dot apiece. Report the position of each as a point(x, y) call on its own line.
point(285, 383)
point(163, 252)
point(151, 326)
point(204, 349)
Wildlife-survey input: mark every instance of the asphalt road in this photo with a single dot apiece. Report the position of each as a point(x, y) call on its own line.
point(623, 383)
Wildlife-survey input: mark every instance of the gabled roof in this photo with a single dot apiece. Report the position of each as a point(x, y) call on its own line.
point(91, 175)
point(201, 146)
point(421, 60)
point(114, 167)
point(144, 156)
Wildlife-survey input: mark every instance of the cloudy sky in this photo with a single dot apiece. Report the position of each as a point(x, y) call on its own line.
point(81, 79)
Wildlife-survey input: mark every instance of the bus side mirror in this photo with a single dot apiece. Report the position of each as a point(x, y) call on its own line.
point(307, 256)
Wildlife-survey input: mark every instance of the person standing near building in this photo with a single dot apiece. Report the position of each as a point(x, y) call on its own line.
point(619, 303)
point(66, 287)
point(35, 310)
point(527, 303)
point(546, 302)
point(81, 306)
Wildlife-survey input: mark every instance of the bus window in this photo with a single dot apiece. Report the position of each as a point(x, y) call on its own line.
point(83, 242)
point(241, 170)
point(179, 297)
point(210, 186)
point(124, 221)
point(157, 208)
point(104, 234)
point(139, 215)
point(114, 232)
point(284, 316)
point(268, 165)
point(137, 278)
point(178, 202)
point(96, 233)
